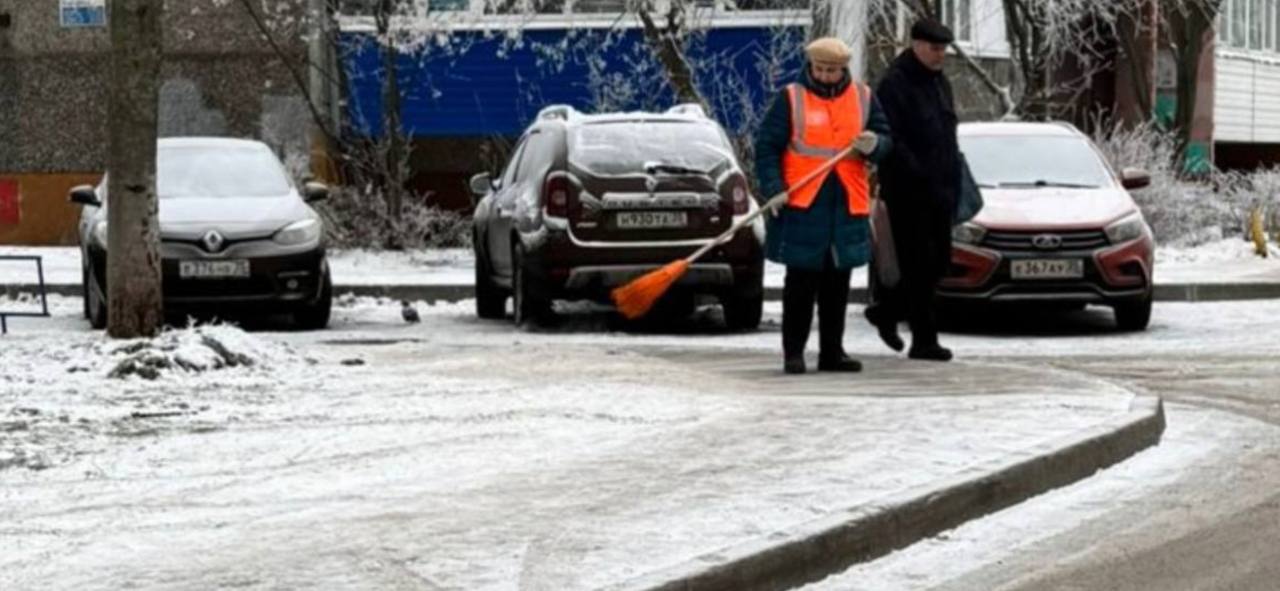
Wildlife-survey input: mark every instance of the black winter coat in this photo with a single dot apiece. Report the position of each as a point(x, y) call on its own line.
point(920, 180)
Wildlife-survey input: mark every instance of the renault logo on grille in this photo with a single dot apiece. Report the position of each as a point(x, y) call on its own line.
point(651, 184)
point(213, 241)
point(1047, 241)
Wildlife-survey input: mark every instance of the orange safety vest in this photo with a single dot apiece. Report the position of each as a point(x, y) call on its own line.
point(820, 129)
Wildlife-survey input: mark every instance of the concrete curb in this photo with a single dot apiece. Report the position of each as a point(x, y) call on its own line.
point(815, 550)
point(1178, 292)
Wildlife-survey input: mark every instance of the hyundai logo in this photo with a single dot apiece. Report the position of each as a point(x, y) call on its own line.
point(212, 241)
point(1047, 241)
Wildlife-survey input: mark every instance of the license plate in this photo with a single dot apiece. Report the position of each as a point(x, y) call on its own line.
point(213, 269)
point(652, 219)
point(1048, 269)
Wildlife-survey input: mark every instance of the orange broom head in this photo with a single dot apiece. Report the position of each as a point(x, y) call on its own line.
point(636, 298)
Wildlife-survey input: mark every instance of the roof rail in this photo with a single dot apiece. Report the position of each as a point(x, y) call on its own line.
point(557, 112)
point(688, 109)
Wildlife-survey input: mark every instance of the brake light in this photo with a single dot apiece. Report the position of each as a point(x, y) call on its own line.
point(560, 194)
point(740, 195)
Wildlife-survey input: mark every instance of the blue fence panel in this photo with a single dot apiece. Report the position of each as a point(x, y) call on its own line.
point(480, 84)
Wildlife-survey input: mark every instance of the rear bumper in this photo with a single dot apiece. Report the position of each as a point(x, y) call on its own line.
point(1114, 274)
point(565, 267)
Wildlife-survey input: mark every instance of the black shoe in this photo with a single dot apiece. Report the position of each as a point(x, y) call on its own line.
point(930, 353)
point(793, 365)
point(887, 329)
point(843, 363)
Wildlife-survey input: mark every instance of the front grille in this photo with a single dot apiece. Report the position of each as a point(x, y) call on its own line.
point(1026, 241)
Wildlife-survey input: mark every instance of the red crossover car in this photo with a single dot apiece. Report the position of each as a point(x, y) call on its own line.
point(1058, 226)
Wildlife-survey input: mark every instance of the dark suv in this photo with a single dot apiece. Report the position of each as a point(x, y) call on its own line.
point(589, 202)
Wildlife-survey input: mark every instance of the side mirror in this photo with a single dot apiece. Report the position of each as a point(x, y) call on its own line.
point(1135, 178)
point(481, 184)
point(84, 195)
point(312, 192)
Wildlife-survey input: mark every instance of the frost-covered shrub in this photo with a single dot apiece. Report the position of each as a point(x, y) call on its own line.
point(1186, 212)
point(356, 218)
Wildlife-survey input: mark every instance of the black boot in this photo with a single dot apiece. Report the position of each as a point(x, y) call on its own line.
point(933, 352)
point(887, 329)
point(793, 365)
point(843, 363)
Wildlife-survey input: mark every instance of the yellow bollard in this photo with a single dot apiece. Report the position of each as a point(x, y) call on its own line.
point(1256, 232)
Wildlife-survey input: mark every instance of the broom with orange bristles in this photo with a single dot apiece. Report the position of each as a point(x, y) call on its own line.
point(637, 297)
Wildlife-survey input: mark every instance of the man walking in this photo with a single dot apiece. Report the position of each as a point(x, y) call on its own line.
point(822, 232)
point(920, 184)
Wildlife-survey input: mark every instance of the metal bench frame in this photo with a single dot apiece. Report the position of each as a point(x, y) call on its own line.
point(44, 296)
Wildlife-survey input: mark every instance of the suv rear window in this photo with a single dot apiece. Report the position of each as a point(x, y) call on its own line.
point(627, 147)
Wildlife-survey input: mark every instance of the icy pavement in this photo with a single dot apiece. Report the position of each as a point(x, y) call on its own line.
point(465, 454)
point(1201, 449)
point(1225, 261)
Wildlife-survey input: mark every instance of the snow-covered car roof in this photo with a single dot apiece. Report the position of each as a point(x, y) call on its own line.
point(1056, 128)
point(210, 142)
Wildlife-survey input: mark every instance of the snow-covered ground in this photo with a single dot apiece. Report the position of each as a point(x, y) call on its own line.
point(1198, 444)
point(1228, 260)
point(468, 454)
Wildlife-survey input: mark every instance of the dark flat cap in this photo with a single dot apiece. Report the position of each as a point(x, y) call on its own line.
point(931, 31)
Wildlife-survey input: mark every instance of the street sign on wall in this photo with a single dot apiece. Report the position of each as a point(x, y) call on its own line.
point(10, 203)
point(82, 13)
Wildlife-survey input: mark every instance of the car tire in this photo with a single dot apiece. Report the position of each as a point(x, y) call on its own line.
point(95, 307)
point(742, 312)
point(529, 305)
point(84, 289)
point(315, 316)
point(1133, 316)
point(491, 300)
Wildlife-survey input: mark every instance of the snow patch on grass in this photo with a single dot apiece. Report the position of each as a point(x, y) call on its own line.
point(195, 349)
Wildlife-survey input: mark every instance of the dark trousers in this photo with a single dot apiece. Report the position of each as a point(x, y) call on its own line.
point(911, 300)
point(830, 289)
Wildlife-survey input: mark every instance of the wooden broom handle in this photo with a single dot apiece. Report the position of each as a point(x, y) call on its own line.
point(773, 203)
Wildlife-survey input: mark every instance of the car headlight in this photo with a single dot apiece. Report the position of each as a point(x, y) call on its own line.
point(100, 233)
point(1128, 228)
point(300, 232)
point(968, 233)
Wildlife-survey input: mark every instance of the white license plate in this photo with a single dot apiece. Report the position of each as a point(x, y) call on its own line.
point(1048, 269)
point(652, 219)
point(213, 269)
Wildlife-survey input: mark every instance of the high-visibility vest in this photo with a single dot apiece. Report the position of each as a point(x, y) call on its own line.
point(820, 129)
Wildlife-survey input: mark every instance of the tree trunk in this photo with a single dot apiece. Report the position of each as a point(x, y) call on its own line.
point(1190, 29)
point(666, 44)
point(392, 129)
point(135, 307)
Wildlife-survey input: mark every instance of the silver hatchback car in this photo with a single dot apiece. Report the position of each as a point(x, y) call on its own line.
point(236, 235)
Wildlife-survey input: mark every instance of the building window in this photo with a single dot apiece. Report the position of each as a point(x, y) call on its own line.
point(524, 6)
point(448, 5)
point(765, 4)
point(958, 15)
point(1256, 22)
point(1239, 24)
point(1273, 18)
point(1250, 24)
point(598, 6)
point(370, 7)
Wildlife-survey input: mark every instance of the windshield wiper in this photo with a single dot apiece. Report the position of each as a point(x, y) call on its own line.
point(1044, 183)
point(659, 167)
